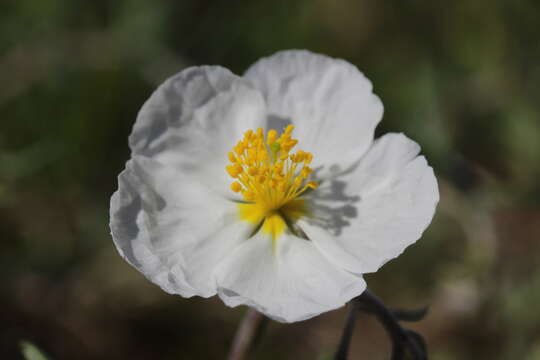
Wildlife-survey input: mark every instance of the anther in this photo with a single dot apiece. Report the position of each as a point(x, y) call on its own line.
point(267, 172)
point(236, 187)
point(271, 137)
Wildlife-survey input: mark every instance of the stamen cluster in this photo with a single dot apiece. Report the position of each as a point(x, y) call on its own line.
point(265, 169)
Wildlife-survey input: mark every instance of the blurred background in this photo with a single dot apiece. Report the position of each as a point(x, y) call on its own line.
point(462, 79)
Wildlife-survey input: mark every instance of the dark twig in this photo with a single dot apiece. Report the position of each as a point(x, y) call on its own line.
point(402, 339)
point(348, 330)
point(410, 315)
point(245, 335)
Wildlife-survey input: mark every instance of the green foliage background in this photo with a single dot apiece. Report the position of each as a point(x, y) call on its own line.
point(461, 78)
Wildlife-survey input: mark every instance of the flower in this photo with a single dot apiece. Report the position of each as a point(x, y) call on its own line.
point(269, 189)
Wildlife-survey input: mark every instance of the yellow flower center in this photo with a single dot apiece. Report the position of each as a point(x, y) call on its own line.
point(271, 179)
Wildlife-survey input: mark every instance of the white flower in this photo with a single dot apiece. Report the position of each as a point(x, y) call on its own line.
point(209, 204)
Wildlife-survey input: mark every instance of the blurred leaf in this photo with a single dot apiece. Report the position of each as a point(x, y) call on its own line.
point(26, 162)
point(31, 352)
point(326, 356)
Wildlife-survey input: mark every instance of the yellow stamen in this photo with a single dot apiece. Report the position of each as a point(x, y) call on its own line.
point(236, 187)
point(270, 178)
point(312, 185)
point(271, 137)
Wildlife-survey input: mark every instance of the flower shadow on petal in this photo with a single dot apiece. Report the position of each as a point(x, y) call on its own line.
point(277, 123)
point(127, 214)
point(332, 208)
point(171, 107)
point(138, 200)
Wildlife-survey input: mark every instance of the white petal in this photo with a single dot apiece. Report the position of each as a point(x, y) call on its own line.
point(371, 214)
point(328, 100)
point(161, 220)
point(294, 283)
point(202, 257)
point(194, 118)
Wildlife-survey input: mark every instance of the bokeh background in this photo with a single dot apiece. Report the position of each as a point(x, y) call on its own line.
point(461, 78)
